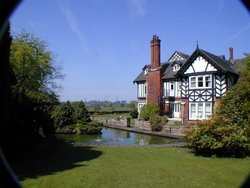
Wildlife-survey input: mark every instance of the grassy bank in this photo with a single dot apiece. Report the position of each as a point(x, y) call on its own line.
point(128, 167)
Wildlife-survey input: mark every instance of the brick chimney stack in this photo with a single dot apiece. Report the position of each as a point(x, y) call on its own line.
point(153, 79)
point(155, 52)
point(231, 55)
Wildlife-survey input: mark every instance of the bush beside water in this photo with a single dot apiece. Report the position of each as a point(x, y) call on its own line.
point(74, 119)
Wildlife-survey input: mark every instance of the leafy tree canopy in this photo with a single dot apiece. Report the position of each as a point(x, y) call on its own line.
point(34, 68)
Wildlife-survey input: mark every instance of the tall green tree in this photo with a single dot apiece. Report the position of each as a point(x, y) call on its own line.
point(236, 104)
point(34, 67)
point(35, 89)
point(7, 80)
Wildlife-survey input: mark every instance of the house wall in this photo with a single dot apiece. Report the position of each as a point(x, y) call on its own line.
point(171, 88)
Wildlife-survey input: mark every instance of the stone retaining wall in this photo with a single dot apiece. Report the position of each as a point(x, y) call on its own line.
point(117, 121)
point(169, 128)
point(142, 124)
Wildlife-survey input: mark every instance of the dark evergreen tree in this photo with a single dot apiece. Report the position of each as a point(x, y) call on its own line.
point(63, 115)
point(81, 113)
point(7, 80)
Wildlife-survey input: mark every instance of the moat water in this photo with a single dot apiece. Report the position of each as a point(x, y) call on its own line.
point(116, 137)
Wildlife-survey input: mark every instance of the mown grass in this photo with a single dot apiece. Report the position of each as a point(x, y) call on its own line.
point(129, 167)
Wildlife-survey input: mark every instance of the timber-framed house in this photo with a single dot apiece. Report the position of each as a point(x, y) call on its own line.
point(185, 87)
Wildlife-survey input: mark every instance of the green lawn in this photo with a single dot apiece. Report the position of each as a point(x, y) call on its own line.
point(128, 167)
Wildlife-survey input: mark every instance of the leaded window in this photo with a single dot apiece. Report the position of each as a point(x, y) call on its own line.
point(200, 110)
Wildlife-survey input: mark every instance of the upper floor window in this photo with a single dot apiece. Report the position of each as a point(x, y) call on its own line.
point(203, 81)
point(172, 89)
point(208, 82)
point(193, 82)
point(141, 90)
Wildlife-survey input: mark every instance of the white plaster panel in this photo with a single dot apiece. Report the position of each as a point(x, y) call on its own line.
point(200, 64)
point(189, 70)
point(211, 67)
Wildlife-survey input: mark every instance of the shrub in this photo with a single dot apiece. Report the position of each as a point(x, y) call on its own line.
point(156, 122)
point(149, 110)
point(218, 136)
point(87, 128)
point(134, 112)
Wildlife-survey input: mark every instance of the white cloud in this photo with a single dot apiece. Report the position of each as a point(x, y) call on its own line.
point(238, 33)
point(73, 24)
point(137, 7)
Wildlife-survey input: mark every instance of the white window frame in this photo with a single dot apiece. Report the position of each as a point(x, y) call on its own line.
point(206, 83)
point(200, 110)
point(141, 90)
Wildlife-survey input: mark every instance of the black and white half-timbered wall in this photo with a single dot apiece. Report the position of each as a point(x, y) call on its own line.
point(191, 85)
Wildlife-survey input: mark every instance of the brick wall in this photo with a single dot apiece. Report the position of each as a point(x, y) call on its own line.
point(154, 92)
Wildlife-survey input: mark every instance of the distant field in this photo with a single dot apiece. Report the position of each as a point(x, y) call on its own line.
point(129, 167)
point(119, 109)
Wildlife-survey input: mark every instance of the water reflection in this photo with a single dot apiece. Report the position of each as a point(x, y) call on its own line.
point(118, 137)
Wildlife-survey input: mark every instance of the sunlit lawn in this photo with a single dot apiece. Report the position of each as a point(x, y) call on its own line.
point(129, 167)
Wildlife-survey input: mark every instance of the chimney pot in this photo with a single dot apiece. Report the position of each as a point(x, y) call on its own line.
point(231, 55)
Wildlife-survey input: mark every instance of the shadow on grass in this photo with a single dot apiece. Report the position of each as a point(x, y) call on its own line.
point(52, 156)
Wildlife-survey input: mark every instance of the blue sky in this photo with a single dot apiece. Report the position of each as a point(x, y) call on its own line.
point(102, 45)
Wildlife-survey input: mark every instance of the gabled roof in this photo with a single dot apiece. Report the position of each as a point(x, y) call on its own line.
point(142, 76)
point(217, 61)
point(178, 56)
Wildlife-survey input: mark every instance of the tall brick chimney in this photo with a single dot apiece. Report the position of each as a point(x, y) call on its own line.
point(155, 52)
point(231, 55)
point(153, 79)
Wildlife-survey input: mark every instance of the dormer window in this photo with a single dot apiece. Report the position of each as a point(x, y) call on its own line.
point(176, 67)
point(146, 71)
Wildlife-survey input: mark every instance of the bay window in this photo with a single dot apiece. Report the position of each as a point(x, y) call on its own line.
point(141, 90)
point(200, 110)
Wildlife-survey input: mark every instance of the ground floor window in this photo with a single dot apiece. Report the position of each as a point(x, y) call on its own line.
point(175, 109)
point(200, 110)
point(140, 105)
